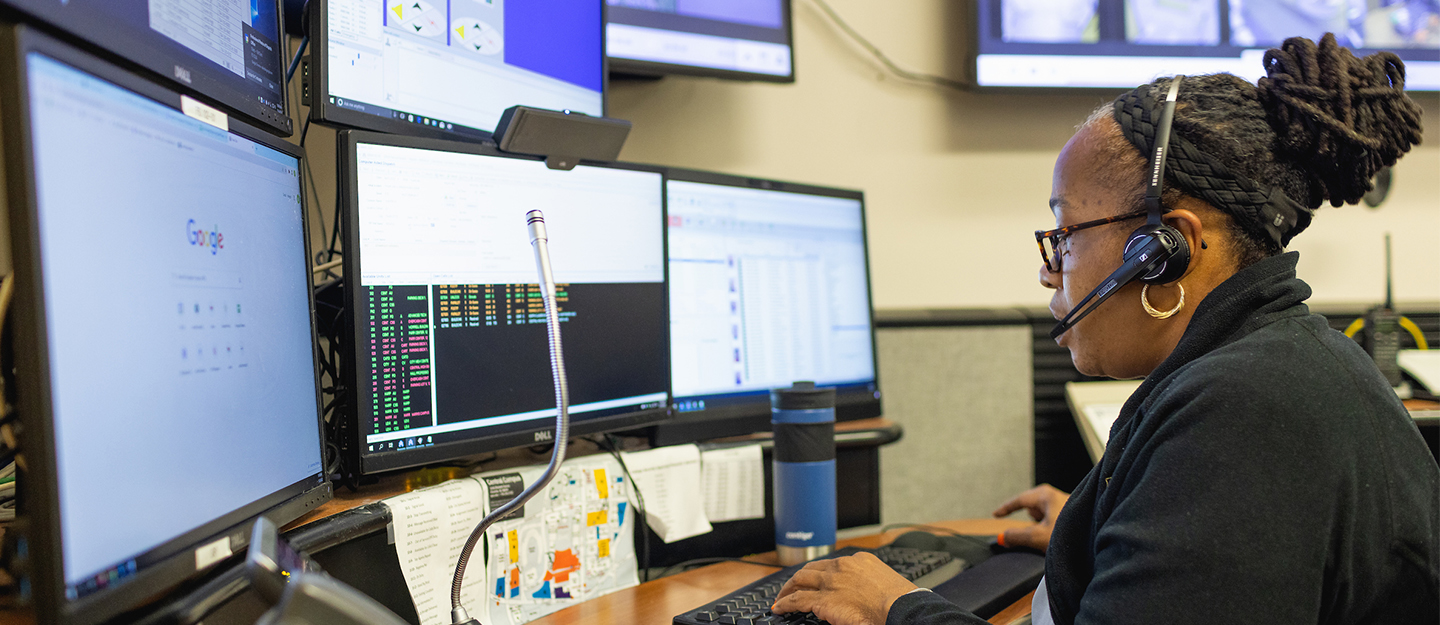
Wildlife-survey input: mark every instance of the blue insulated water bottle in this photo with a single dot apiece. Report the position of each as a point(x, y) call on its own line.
point(803, 471)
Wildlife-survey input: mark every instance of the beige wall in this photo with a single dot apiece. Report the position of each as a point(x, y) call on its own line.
point(956, 182)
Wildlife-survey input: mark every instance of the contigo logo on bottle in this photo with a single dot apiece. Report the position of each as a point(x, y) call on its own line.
point(799, 535)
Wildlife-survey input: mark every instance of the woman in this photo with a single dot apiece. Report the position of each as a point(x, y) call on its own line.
point(1264, 471)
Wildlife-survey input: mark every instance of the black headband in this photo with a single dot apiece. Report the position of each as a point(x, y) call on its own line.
point(1262, 211)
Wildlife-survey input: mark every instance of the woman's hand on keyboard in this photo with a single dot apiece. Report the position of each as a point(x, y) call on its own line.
point(853, 590)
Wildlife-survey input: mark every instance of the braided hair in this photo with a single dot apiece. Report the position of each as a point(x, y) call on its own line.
point(1316, 129)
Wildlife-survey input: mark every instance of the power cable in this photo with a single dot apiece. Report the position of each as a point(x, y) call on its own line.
point(882, 58)
point(295, 62)
point(703, 561)
point(934, 529)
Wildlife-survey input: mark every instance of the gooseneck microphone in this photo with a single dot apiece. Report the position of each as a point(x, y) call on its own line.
point(540, 241)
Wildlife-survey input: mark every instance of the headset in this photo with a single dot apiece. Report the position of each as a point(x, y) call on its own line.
point(1155, 253)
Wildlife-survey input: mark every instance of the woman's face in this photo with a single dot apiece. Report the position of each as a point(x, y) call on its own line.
point(1114, 339)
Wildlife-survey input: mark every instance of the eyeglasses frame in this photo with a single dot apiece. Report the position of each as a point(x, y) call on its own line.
point(1058, 235)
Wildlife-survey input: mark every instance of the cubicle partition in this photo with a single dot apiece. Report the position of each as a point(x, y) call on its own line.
point(981, 395)
point(959, 382)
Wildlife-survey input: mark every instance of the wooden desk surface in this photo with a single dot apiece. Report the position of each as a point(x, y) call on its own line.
point(657, 602)
point(1425, 412)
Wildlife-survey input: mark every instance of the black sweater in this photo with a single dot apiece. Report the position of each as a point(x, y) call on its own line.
point(1263, 473)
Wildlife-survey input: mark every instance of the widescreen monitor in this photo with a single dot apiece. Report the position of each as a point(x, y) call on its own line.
point(450, 68)
point(745, 40)
point(163, 341)
point(769, 285)
point(1123, 43)
point(228, 52)
point(450, 357)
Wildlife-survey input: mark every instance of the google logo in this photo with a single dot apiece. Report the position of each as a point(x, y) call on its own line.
point(198, 236)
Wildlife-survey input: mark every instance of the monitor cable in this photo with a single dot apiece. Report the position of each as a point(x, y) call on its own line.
point(933, 529)
point(540, 241)
point(295, 62)
point(325, 261)
point(690, 564)
point(304, 41)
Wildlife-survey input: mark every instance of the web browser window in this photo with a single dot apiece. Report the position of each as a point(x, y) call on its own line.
point(177, 312)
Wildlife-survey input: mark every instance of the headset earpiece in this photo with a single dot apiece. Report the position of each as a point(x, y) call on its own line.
point(1175, 249)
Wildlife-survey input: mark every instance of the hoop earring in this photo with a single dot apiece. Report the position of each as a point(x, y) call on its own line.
point(1161, 314)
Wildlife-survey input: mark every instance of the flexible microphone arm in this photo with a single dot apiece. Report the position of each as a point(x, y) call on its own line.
point(1138, 262)
point(540, 241)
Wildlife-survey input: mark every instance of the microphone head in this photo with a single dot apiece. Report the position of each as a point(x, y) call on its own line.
point(536, 220)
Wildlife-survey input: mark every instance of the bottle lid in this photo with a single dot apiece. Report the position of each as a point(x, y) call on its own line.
point(802, 396)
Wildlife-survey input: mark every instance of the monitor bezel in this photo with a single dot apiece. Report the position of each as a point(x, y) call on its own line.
point(747, 417)
point(145, 58)
point(39, 494)
point(321, 110)
point(978, 14)
point(651, 69)
point(352, 439)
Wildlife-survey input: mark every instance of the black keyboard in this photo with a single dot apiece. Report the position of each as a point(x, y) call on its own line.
point(750, 605)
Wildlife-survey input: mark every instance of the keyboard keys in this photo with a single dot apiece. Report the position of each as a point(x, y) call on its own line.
point(750, 605)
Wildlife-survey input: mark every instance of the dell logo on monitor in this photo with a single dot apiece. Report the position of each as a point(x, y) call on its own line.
point(182, 74)
point(543, 436)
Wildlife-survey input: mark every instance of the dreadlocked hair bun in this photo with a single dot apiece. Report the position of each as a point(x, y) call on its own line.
point(1339, 118)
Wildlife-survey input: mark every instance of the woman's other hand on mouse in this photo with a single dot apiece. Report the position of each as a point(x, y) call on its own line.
point(1043, 503)
point(853, 590)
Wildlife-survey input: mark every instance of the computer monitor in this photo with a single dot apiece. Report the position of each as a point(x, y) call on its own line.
point(749, 40)
point(449, 355)
point(769, 284)
point(450, 68)
point(162, 325)
point(227, 53)
point(1123, 43)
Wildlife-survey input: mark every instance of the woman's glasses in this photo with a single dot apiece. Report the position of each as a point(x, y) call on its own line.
point(1051, 241)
